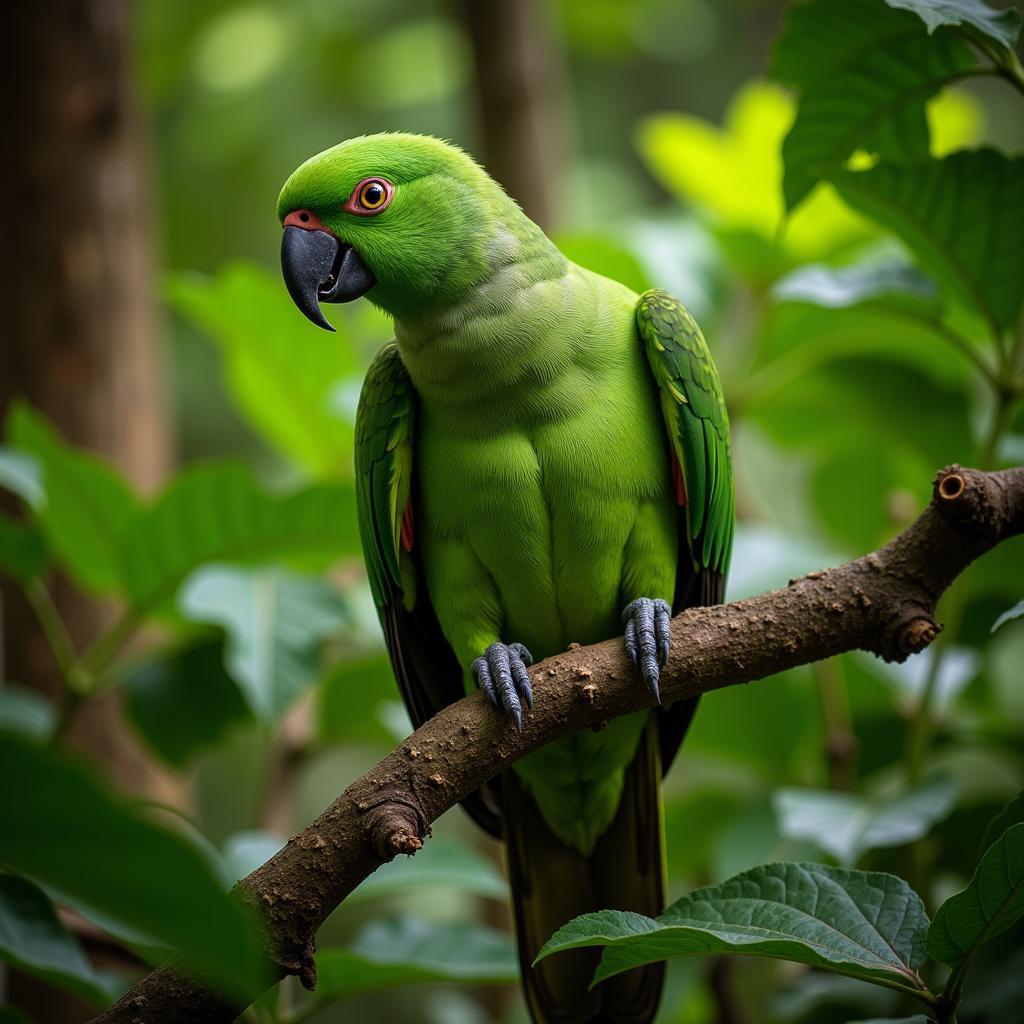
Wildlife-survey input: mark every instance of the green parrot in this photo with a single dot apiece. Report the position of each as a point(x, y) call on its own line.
point(542, 457)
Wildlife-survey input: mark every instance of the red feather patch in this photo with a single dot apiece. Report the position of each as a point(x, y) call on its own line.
point(407, 531)
point(677, 476)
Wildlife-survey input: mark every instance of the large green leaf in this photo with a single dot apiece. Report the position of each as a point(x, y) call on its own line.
point(184, 701)
point(847, 825)
point(875, 103)
point(287, 378)
point(407, 951)
point(350, 697)
point(974, 16)
point(33, 940)
point(992, 903)
point(68, 833)
point(867, 925)
point(218, 513)
point(963, 217)
point(87, 505)
point(276, 625)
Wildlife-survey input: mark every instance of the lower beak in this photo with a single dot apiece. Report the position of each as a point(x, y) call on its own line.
point(319, 268)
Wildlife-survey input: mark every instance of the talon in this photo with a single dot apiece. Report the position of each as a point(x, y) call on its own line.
point(647, 638)
point(501, 673)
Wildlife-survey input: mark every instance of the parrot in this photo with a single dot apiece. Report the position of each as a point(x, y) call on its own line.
point(542, 458)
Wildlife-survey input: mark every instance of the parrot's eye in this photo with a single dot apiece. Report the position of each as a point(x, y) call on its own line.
point(370, 196)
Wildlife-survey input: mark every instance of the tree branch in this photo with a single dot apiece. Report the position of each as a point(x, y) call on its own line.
point(883, 603)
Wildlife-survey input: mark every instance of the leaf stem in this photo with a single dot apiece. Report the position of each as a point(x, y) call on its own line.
point(52, 624)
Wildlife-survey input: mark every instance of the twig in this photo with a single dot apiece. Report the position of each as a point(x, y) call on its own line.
point(883, 603)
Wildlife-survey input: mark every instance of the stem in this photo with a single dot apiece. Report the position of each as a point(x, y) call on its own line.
point(55, 632)
point(840, 739)
point(99, 653)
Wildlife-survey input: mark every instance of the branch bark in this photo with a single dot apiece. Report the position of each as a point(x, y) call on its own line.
point(883, 602)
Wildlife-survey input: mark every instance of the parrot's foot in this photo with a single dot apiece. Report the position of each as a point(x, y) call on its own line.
point(501, 672)
point(647, 638)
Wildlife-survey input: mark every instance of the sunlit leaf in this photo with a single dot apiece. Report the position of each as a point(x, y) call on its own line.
point(957, 667)
point(33, 940)
point(284, 374)
point(890, 282)
point(992, 903)
point(847, 825)
point(963, 218)
point(407, 951)
point(1009, 615)
point(184, 701)
point(66, 832)
point(21, 474)
point(217, 512)
point(276, 624)
point(87, 504)
point(1002, 27)
point(864, 924)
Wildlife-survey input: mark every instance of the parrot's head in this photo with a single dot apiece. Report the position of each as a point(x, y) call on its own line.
point(406, 220)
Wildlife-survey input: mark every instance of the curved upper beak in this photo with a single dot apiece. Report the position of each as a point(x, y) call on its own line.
point(317, 267)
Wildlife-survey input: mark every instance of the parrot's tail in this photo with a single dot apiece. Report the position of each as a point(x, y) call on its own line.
point(553, 883)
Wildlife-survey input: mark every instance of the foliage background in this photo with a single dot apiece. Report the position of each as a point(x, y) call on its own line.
point(260, 681)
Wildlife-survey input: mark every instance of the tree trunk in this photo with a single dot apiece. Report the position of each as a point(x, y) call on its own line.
point(79, 339)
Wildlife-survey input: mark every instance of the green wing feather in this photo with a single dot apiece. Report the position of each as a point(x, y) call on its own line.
point(693, 406)
point(427, 671)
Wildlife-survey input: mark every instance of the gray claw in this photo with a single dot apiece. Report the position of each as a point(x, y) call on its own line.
point(647, 638)
point(501, 672)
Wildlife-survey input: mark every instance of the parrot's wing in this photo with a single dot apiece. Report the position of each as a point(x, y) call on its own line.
point(693, 407)
point(428, 673)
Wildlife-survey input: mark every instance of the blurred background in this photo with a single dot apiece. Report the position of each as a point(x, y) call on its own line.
point(146, 323)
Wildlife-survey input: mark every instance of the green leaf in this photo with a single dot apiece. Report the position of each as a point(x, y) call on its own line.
point(87, 504)
point(875, 104)
point(33, 940)
point(439, 865)
point(286, 378)
point(1012, 814)
point(21, 474)
point(1009, 615)
point(276, 624)
point(918, 1018)
point(847, 826)
point(1001, 27)
point(992, 903)
point(69, 834)
point(22, 550)
point(963, 218)
point(407, 951)
point(26, 712)
point(218, 513)
point(892, 284)
point(863, 924)
point(184, 701)
point(350, 697)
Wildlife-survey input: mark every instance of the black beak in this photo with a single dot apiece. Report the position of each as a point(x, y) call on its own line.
point(318, 268)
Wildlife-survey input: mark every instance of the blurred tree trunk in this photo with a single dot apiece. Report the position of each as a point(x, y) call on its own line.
point(520, 96)
point(79, 332)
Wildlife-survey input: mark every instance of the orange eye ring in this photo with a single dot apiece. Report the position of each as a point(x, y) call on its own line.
point(370, 196)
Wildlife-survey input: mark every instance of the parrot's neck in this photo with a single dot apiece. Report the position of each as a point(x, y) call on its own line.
point(516, 334)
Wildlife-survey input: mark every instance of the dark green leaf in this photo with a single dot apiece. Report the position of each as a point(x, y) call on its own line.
point(285, 378)
point(408, 951)
point(847, 826)
point(276, 624)
point(22, 550)
point(439, 865)
point(963, 218)
point(993, 902)
point(21, 474)
point(184, 701)
point(87, 504)
point(1001, 27)
point(1009, 615)
point(891, 283)
point(1012, 814)
point(26, 712)
point(33, 940)
point(10, 1015)
point(867, 925)
point(918, 1018)
point(68, 833)
point(218, 513)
